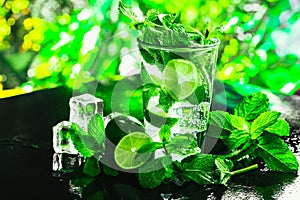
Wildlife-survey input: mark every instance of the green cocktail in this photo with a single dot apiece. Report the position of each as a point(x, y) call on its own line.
point(177, 69)
point(178, 85)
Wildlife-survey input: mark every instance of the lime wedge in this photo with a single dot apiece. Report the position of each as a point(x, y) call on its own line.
point(180, 78)
point(126, 155)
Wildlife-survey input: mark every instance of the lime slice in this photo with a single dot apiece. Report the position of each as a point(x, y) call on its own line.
point(181, 78)
point(126, 151)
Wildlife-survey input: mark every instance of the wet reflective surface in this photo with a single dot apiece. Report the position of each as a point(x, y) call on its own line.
point(26, 159)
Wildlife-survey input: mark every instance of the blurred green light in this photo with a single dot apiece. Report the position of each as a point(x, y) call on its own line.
point(233, 21)
point(27, 87)
point(287, 88)
point(262, 54)
point(90, 39)
point(84, 14)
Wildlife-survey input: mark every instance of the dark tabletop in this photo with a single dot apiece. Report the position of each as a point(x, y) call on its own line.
point(26, 152)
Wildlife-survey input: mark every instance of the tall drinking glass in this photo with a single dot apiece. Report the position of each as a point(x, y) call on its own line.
point(177, 89)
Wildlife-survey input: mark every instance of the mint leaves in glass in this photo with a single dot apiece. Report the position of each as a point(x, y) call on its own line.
point(177, 69)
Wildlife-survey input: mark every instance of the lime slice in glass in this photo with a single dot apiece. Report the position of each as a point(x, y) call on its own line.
point(180, 78)
point(126, 155)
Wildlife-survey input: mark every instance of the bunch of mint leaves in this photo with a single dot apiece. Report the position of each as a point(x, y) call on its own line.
point(164, 30)
point(253, 133)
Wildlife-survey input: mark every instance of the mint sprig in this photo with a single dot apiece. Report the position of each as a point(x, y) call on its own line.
point(256, 131)
point(163, 29)
point(246, 135)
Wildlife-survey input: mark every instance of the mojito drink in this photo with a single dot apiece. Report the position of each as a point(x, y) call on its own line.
point(177, 90)
point(177, 70)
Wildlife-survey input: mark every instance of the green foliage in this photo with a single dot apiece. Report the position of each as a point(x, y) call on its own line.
point(224, 166)
point(262, 122)
point(165, 100)
point(165, 133)
point(276, 154)
point(246, 138)
point(253, 38)
point(81, 141)
point(163, 30)
point(91, 167)
point(256, 132)
point(150, 147)
point(252, 106)
point(78, 178)
point(96, 128)
point(221, 119)
point(110, 171)
point(199, 168)
point(92, 141)
point(280, 128)
point(152, 174)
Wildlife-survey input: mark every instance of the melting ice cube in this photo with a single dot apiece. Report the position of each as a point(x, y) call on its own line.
point(62, 142)
point(83, 107)
point(65, 163)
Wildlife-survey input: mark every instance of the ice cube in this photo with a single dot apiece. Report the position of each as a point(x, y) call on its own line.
point(62, 142)
point(65, 163)
point(83, 107)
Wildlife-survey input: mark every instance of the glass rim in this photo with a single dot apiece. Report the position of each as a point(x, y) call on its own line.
point(215, 44)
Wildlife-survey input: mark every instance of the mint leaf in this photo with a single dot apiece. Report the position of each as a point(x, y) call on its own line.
point(150, 147)
point(263, 121)
point(91, 167)
point(90, 143)
point(221, 119)
point(78, 178)
point(145, 76)
point(239, 123)
point(171, 171)
point(225, 166)
point(164, 133)
point(280, 128)
point(152, 174)
point(125, 10)
point(110, 171)
point(276, 154)
point(152, 16)
point(171, 121)
point(199, 168)
point(247, 149)
point(252, 106)
point(236, 139)
point(96, 128)
point(160, 35)
point(162, 29)
point(165, 100)
point(77, 137)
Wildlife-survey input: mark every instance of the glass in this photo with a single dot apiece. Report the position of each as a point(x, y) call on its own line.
point(177, 88)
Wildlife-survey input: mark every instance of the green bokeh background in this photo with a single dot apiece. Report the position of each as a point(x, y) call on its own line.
point(45, 44)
